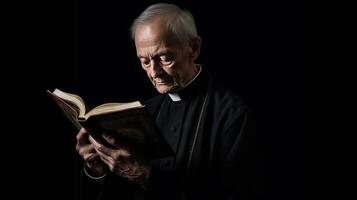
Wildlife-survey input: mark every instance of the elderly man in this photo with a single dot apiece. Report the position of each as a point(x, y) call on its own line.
point(205, 124)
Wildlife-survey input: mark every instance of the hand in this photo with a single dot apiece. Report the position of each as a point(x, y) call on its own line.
point(86, 150)
point(121, 161)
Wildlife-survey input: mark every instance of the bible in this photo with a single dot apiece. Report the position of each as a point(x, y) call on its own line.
point(129, 123)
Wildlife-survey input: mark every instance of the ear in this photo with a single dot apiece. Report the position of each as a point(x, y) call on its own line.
point(195, 46)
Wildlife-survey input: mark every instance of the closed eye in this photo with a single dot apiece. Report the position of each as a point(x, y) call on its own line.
point(166, 59)
point(145, 62)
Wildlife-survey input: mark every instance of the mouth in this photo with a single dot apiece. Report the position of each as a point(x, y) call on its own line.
point(162, 81)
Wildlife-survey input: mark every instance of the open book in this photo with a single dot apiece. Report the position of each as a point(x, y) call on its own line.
point(128, 122)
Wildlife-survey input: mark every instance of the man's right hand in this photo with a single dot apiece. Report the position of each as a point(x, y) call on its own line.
point(86, 150)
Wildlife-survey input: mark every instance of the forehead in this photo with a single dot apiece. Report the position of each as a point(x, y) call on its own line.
point(153, 33)
point(150, 33)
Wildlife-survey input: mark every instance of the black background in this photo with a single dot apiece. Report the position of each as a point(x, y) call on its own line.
point(253, 47)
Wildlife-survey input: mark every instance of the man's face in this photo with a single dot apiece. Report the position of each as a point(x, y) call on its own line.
point(167, 63)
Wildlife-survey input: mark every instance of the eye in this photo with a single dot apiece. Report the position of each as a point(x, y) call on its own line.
point(166, 59)
point(145, 62)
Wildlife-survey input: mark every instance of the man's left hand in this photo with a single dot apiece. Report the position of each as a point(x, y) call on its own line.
point(121, 161)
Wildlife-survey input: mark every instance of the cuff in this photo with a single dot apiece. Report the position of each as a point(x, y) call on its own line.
point(93, 177)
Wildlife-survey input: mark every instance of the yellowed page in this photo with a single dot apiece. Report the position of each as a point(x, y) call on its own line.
point(110, 107)
point(73, 99)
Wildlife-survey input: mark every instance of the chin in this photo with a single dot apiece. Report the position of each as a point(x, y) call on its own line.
point(166, 89)
point(163, 91)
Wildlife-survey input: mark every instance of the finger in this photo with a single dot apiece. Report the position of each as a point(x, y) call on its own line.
point(82, 132)
point(82, 137)
point(89, 157)
point(110, 155)
point(105, 157)
point(101, 148)
point(106, 162)
point(114, 166)
point(115, 154)
point(114, 141)
point(80, 146)
point(111, 140)
point(85, 150)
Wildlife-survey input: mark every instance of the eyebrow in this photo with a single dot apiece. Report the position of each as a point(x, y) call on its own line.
point(160, 53)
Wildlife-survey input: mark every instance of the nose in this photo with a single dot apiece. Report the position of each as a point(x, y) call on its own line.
point(154, 68)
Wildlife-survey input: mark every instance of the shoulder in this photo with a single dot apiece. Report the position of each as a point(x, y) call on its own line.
point(221, 96)
point(229, 111)
point(226, 100)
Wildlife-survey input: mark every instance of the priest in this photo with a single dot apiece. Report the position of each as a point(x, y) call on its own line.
point(205, 123)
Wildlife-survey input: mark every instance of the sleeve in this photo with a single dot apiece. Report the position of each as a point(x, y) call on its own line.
point(238, 167)
point(91, 188)
point(109, 187)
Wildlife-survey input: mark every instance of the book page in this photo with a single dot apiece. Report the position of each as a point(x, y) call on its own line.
point(72, 99)
point(111, 107)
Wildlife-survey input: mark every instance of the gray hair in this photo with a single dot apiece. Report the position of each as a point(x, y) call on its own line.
point(180, 22)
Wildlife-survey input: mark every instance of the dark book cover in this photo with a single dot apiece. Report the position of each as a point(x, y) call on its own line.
point(132, 127)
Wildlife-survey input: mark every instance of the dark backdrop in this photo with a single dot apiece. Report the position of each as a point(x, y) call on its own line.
point(253, 47)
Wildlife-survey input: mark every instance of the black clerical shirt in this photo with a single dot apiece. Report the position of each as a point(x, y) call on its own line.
point(208, 131)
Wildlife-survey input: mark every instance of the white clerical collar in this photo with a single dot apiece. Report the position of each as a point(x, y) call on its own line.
point(175, 96)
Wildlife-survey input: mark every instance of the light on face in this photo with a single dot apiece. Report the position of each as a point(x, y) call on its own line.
point(162, 60)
